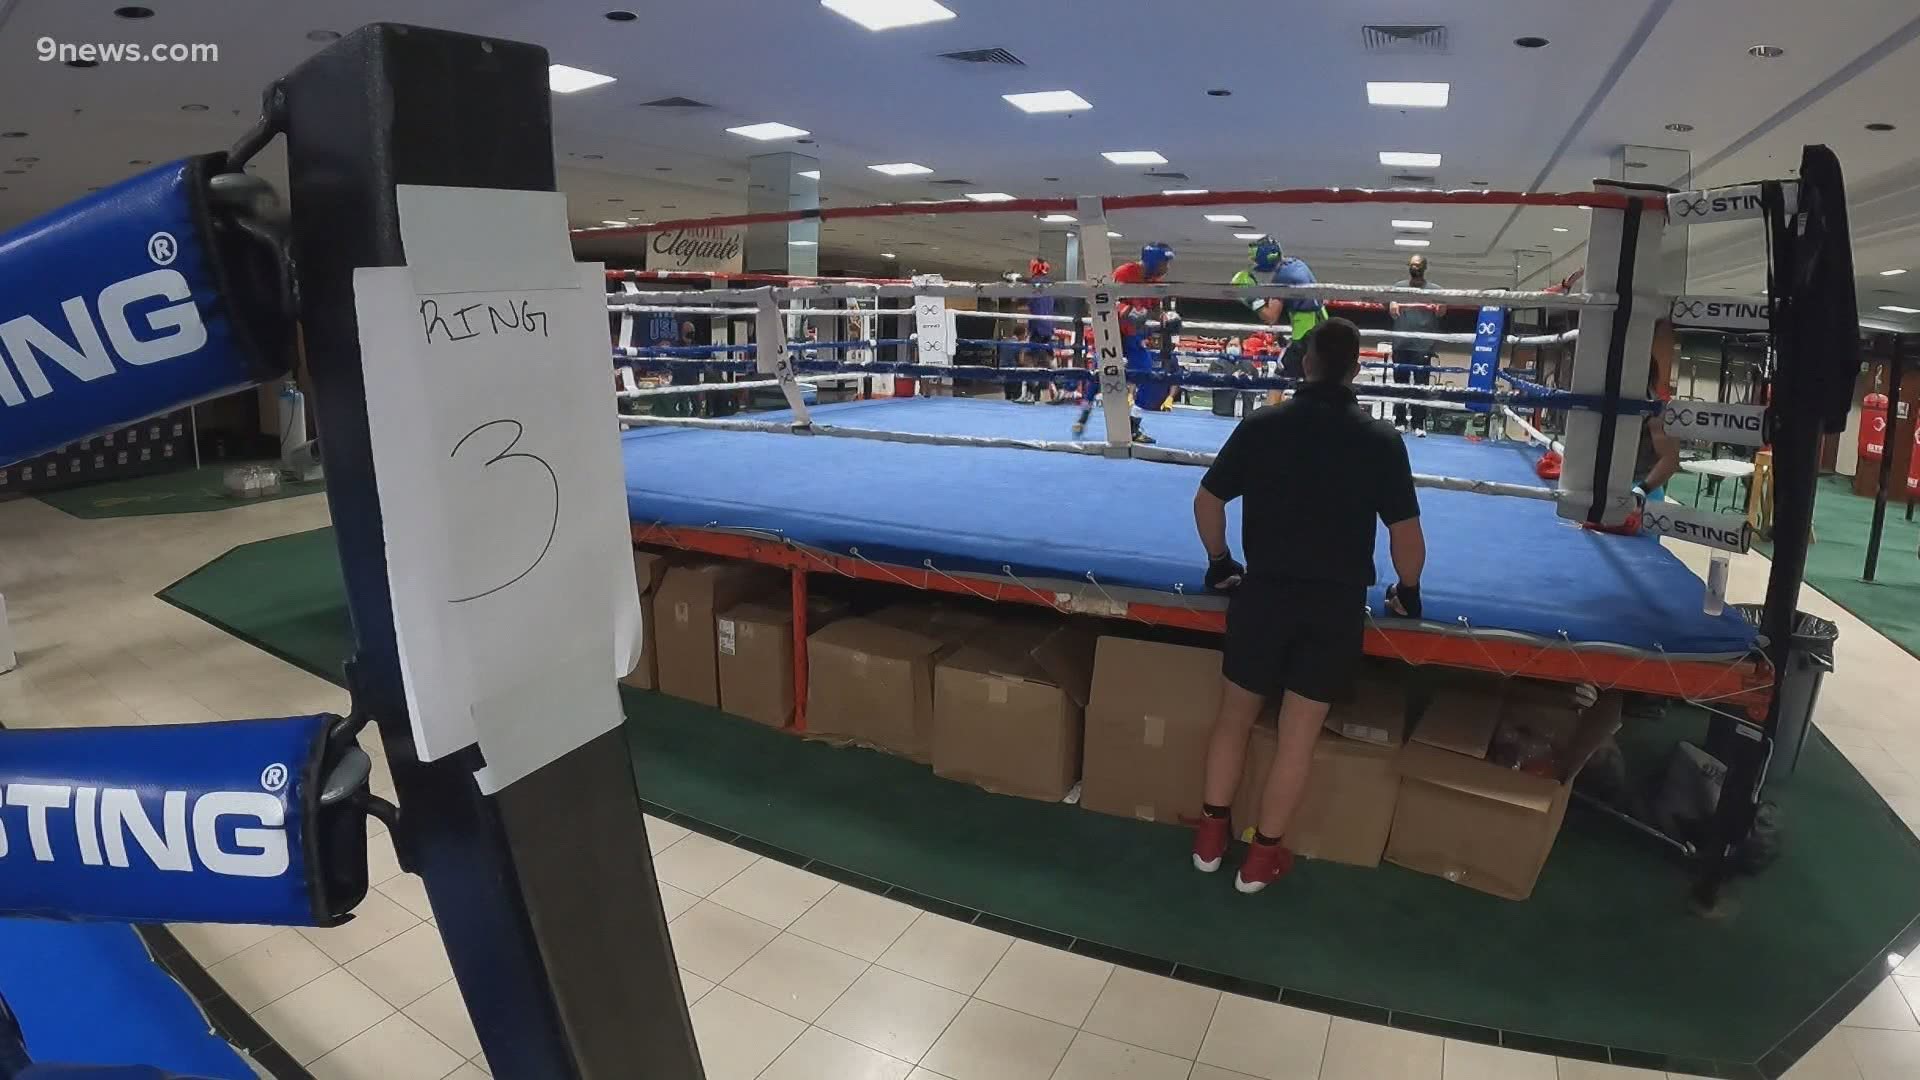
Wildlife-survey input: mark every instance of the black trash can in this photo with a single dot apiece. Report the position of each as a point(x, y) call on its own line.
point(1809, 658)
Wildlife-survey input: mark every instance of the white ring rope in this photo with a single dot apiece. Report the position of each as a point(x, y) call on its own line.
point(702, 388)
point(1533, 433)
point(1148, 453)
point(1166, 291)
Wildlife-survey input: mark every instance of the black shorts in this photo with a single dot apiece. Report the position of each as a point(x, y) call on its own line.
point(1293, 635)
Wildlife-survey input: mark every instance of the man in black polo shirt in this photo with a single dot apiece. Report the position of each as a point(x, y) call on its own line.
point(1314, 474)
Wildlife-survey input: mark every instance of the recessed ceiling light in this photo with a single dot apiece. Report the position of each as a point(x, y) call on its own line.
point(1892, 273)
point(803, 243)
point(1531, 42)
point(1058, 219)
point(888, 14)
point(193, 108)
point(1248, 235)
point(562, 79)
point(133, 12)
point(1898, 310)
point(767, 132)
point(1403, 159)
point(611, 221)
point(1408, 241)
point(323, 35)
point(1766, 52)
point(1219, 93)
point(989, 196)
point(1227, 219)
point(901, 168)
point(1411, 223)
point(1557, 228)
point(811, 174)
point(621, 16)
point(1409, 95)
point(888, 255)
point(1046, 101)
point(1134, 157)
point(1879, 127)
point(1111, 235)
point(1681, 128)
point(1185, 191)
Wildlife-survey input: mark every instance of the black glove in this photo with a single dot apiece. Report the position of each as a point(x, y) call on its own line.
point(1224, 573)
point(1404, 599)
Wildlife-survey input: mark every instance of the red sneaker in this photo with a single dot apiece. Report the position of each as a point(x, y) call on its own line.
point(1264, 864)
point(1210, 837)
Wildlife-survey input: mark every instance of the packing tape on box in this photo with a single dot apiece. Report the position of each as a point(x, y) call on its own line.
point(1144, 813)
point(1154, 732)
point(997, 692)
point(682, 614)
point(725, 626)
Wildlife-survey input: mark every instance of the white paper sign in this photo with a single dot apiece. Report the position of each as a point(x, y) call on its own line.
point(497, 453)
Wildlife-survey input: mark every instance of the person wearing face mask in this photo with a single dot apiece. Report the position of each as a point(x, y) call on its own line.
point(1412, 359)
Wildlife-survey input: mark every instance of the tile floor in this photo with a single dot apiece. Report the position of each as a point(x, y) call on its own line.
point(789, 976)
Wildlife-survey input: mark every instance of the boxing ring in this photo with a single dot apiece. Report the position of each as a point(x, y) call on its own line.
point(969, 498)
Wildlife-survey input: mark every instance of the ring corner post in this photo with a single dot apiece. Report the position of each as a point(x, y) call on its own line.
point(560, 982)
point(1111, 370)
point(1613, 356)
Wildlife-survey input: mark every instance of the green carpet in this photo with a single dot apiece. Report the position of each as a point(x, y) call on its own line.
point(188, 491)
point(1603, 954)
point(1842, 521)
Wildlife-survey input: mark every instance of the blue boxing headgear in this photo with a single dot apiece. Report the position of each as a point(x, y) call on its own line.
point(1154, 259)
point(1265, 253)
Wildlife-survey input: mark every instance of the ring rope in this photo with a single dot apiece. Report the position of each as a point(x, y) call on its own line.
point(1164, 291)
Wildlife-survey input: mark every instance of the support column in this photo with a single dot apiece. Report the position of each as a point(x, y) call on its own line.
point(1672, 168)
point(1061, 249)
point(775, 185)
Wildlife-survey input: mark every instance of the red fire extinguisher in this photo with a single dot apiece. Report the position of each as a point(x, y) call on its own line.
point(1873, 426)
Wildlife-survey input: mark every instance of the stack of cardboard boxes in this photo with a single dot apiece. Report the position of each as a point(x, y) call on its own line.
point(1467, 779)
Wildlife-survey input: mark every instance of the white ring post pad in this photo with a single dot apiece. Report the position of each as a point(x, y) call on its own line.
point(1646, 302)
point(772, 358)
point(1110, 360)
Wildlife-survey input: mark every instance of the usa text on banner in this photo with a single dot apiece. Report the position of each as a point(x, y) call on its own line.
point(1712, 421)
point(1722, 312)
point(1734, 203)
point(1727, 532)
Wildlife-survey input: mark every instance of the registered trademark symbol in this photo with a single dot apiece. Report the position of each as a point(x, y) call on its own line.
point(162, 248)
point(273, 777)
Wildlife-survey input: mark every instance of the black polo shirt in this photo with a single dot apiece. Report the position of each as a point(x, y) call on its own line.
point(1315, 473)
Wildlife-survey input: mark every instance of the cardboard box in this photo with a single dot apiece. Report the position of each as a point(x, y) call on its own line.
point(1460, 716)
point(872, 683)
point(1376, 714)
point(1484, 826)
point(1008, 710)
point(754, 641)
point(1148, 718)
point(950, 624)
point(648, 569)
point(684, 606)
point(1545, 709)
point(1346, 813)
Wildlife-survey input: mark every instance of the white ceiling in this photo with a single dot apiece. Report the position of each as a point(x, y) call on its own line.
point(1551, 118)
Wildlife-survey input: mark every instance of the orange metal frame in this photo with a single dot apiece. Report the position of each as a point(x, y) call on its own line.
point(1733, 685)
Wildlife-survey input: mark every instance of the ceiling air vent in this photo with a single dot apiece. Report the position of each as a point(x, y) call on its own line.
point(1402, 39)
point(1169, 176)
point(675, 103)
point(953, 183)
point(1410, 178)
point(984, 56)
